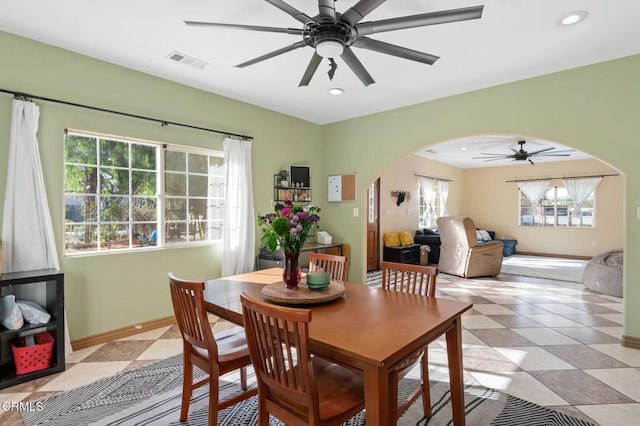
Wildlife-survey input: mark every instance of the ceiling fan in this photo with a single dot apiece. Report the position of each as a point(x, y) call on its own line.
point(332, 34)
point(522, 155)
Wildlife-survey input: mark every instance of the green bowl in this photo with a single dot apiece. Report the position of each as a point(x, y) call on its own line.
point(318, 288)
point(318, 279)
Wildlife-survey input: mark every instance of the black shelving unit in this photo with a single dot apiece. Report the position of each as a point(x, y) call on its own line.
point(295, 194)
point(52, 281)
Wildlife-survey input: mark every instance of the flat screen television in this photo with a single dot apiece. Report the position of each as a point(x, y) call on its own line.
point(300, 176)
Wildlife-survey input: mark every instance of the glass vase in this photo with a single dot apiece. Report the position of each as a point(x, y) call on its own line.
point(291, 274)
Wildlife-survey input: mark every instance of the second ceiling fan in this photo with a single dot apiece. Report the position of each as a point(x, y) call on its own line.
point(522, 155)
point(332, 34)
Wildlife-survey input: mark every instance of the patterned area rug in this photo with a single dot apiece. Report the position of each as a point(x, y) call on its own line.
point(151, 396)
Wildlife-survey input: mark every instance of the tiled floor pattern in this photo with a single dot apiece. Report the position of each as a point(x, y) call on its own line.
point(550, 342)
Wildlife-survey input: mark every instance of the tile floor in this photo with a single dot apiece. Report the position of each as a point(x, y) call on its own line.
point(550, 342)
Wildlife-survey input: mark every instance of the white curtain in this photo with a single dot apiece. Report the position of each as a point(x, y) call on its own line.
point(444, 195)
point(534, 190)
point(27, 233)
point(579, 190)
point(429, 194)
point(238, 242)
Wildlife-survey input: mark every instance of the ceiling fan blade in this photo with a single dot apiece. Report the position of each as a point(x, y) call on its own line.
point(422, 20)
point(290, 10)
point(541, 150)
point(395, 50)
point(294, 31)
point(554, 154)
point(356, 66)
point(491, 156)
point(495, 155)
point(270, 55)
point(311, 69)
point(327, 9)
point(563, 151)
point(361, 9)
point(492, 159)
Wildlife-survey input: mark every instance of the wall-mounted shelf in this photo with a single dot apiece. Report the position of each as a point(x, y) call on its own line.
point(295, 194)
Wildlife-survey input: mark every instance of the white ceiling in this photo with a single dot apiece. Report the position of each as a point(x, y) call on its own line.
point(513, 40)
point(464, 152)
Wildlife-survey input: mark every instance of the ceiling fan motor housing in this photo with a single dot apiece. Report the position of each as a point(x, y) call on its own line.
point(322, 32)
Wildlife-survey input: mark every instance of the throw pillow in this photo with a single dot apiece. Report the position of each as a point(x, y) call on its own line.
point(485, 235)
point(391, 239)
point(405, 238)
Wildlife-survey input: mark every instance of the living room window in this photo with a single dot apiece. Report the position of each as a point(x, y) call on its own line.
point(556, 208)
point(433, 201)
point(124, 194)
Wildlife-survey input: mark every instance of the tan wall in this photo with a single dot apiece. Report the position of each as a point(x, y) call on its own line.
point(401, 175)
point(493, 203)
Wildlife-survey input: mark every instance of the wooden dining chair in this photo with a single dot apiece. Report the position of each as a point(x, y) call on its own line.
point(331, 263)
point(294, 386)
point(416, 279)
point(216, 355)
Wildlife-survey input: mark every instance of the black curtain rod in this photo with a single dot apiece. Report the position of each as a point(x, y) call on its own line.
point(562, 177)
point(433, 177)
point(26, 96)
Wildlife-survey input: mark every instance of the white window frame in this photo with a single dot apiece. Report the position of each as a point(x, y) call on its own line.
point(557, 207)
point(214, 202)
point(437, 202)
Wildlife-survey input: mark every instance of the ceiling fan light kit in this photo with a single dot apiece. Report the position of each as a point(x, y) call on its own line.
point(329, 48)
point(332, 34)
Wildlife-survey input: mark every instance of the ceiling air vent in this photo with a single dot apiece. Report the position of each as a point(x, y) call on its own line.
point(187, 60)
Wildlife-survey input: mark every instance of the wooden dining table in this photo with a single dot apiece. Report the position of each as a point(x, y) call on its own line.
point(371, 330)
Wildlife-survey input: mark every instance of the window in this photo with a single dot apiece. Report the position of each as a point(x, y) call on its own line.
point(556, 208)
point(123, 194)
point(433, 201)
point(194, 196)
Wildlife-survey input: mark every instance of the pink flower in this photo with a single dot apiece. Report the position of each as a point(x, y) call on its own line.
point(285, 212)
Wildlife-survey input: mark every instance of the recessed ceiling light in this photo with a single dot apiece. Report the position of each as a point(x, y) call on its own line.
point(573, 17)
point(464, 148)
point(336, 91)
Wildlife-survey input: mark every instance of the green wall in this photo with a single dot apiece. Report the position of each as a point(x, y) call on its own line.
point(109, 291)
point(593, 109)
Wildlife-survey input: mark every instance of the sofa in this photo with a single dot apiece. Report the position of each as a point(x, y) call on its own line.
point(428, 237)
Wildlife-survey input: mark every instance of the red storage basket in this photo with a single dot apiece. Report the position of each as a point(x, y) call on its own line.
point(35, 357)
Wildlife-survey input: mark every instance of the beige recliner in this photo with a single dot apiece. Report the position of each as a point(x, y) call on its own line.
point(460, 253)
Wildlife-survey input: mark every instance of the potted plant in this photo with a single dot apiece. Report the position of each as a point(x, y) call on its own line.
point(283, 177)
